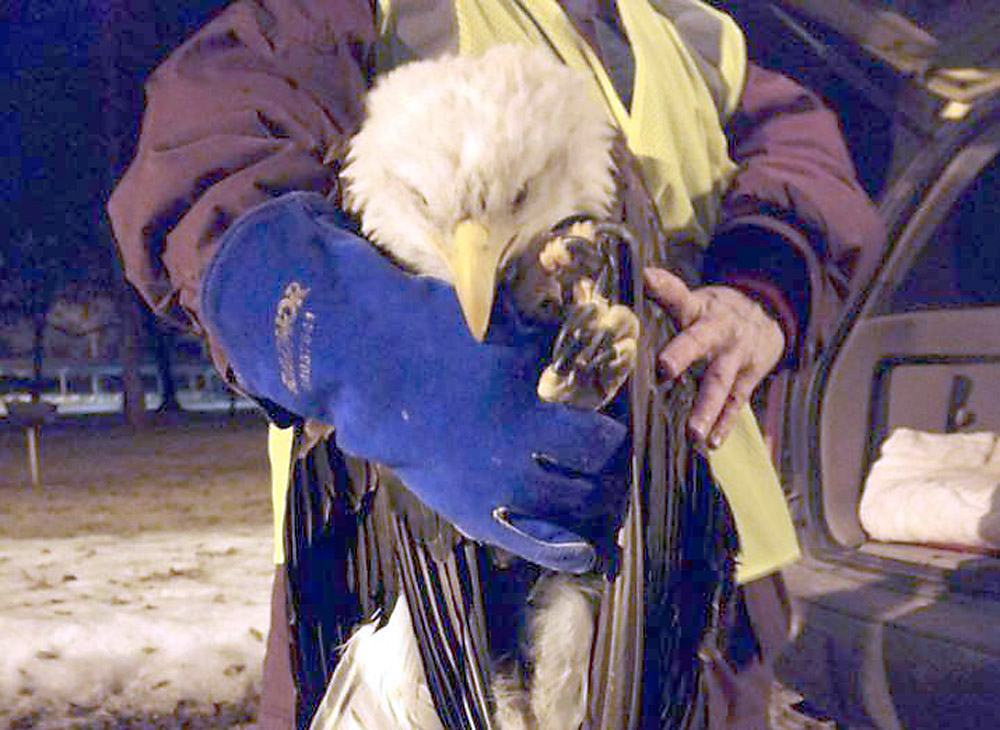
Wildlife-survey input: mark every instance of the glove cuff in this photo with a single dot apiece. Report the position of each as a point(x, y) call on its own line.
point(257, 294)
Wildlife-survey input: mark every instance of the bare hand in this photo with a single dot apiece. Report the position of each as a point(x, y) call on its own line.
point(737, 339)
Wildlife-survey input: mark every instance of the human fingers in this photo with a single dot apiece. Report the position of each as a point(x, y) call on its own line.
point(699, 341)
point(671, 293)
point(747, 351)
point(743, 386)
point(714, 392)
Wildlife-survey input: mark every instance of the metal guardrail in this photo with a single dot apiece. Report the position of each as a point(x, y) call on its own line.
point(80, 388)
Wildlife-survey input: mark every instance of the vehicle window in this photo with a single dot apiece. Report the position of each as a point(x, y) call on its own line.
point(960, 265)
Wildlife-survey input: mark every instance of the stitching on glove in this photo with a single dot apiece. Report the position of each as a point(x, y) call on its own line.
point(501, 515)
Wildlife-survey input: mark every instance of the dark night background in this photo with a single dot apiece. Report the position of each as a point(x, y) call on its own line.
point(71, 77)
point(57, 72)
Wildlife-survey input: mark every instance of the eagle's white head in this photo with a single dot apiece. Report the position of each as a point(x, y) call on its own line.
point(461, 161)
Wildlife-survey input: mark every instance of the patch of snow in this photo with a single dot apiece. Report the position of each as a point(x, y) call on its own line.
point(111, 626)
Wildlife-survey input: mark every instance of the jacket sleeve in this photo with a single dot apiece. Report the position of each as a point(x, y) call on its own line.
point(796, 223)
point(250, 107)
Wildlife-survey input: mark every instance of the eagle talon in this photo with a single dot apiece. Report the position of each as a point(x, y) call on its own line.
point(577, 279)
point(593, 356)
point(565, 268)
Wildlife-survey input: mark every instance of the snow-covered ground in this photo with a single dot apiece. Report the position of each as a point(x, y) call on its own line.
point(105, 626)
point(136, 583)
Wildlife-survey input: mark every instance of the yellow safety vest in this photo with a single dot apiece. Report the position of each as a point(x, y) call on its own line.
point(690, 62)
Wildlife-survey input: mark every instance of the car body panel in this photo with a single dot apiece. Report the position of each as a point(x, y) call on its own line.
point(872, 651)
point(896, 636)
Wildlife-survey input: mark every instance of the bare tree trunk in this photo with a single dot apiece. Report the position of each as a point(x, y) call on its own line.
point(122, 38)
point(37, 355)
point(163, 342)
point(130, 356)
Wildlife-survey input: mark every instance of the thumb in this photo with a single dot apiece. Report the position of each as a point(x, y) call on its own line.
point(671, 293)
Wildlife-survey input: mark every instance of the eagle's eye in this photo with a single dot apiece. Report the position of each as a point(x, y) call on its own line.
point(415, 193)
point(519, 199)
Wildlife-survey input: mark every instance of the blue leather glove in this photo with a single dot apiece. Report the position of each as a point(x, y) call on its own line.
point(315, 319)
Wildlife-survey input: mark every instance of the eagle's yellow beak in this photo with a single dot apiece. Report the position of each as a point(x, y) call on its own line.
point(474, 260)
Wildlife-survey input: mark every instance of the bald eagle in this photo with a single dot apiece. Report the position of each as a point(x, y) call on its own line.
point(496, 174)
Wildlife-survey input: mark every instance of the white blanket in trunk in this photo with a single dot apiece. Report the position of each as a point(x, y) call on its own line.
point(935, 488)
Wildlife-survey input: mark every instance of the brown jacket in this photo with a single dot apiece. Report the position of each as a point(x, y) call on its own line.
point(261, 100)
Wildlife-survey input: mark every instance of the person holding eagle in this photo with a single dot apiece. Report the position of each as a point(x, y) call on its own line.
point(607, 187)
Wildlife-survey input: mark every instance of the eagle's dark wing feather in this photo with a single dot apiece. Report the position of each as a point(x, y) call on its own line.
point(354, 541)
point(338, 562)
point(678, 564)
point(440, 576)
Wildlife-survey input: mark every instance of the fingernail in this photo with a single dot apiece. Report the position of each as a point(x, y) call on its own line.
point(665, 369)
point(714, 441)
point(700, 446)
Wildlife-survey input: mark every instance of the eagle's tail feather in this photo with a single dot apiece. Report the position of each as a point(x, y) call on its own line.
point(379, 681)
point(562, 636)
